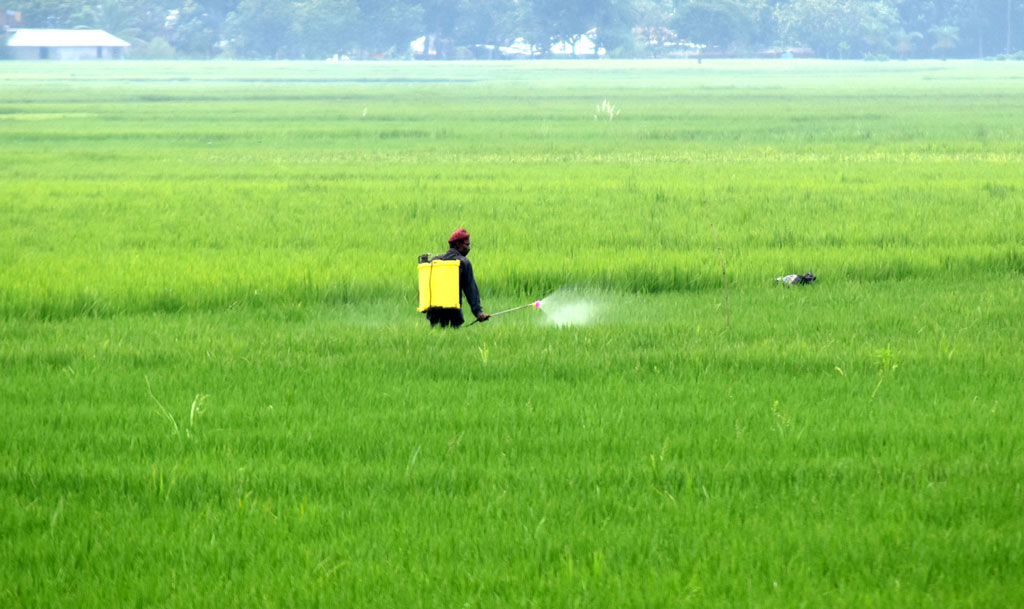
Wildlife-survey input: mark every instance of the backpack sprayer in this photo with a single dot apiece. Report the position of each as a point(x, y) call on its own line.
point(439, 284)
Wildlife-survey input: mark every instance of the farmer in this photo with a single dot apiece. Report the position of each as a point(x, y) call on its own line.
point(458, 249)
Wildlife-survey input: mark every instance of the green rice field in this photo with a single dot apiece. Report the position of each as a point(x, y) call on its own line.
point(215, 390)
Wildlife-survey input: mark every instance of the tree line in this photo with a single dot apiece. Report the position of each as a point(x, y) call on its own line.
point(457, 29)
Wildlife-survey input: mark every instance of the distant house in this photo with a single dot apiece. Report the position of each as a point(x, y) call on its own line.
point(65, 45)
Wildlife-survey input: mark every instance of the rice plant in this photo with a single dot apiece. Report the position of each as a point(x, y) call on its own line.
point(216, 390)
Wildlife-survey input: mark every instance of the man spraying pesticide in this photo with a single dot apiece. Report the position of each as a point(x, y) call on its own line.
point(444, 279)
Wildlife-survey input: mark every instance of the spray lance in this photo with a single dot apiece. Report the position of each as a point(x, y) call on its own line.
point(535, 304)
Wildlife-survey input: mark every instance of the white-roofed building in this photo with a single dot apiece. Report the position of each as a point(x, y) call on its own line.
point(65, 44)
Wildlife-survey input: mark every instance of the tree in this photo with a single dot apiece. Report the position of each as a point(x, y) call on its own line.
point(137, 21)
point(548, 21)
point(196, 29)
point(985, 25)
point(157, 48)
point(534, 27)
point(326, 27)
point(946, 38)
point(824, 24)
point(486, 22)
point(652, 21)
point(47, 13)
point(614, 20)
point(1009, 27)
point(439, 21)
point(904, 42)
point(874, 38)
point(759, 12)
point(712, 23)
point(262, 29)
point(387, 27)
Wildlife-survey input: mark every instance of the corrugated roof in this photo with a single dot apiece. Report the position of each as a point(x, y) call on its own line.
point(64, 38)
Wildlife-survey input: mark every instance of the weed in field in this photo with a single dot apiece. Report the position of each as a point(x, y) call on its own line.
point(887, 365)
point(605, 111)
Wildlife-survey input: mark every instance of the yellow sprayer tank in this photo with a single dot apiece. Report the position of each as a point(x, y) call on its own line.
point(439, 285)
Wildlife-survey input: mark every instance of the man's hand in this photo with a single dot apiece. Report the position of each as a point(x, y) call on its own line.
point(482, 316)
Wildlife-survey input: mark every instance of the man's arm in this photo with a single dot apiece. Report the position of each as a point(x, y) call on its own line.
point(470, 290)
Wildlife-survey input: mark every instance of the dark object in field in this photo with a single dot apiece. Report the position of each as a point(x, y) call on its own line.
point(796, 279)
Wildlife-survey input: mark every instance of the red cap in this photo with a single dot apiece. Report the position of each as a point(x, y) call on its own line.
point(458, 235)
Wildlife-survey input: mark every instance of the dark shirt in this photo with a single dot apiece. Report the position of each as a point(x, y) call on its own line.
point(467, 283)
